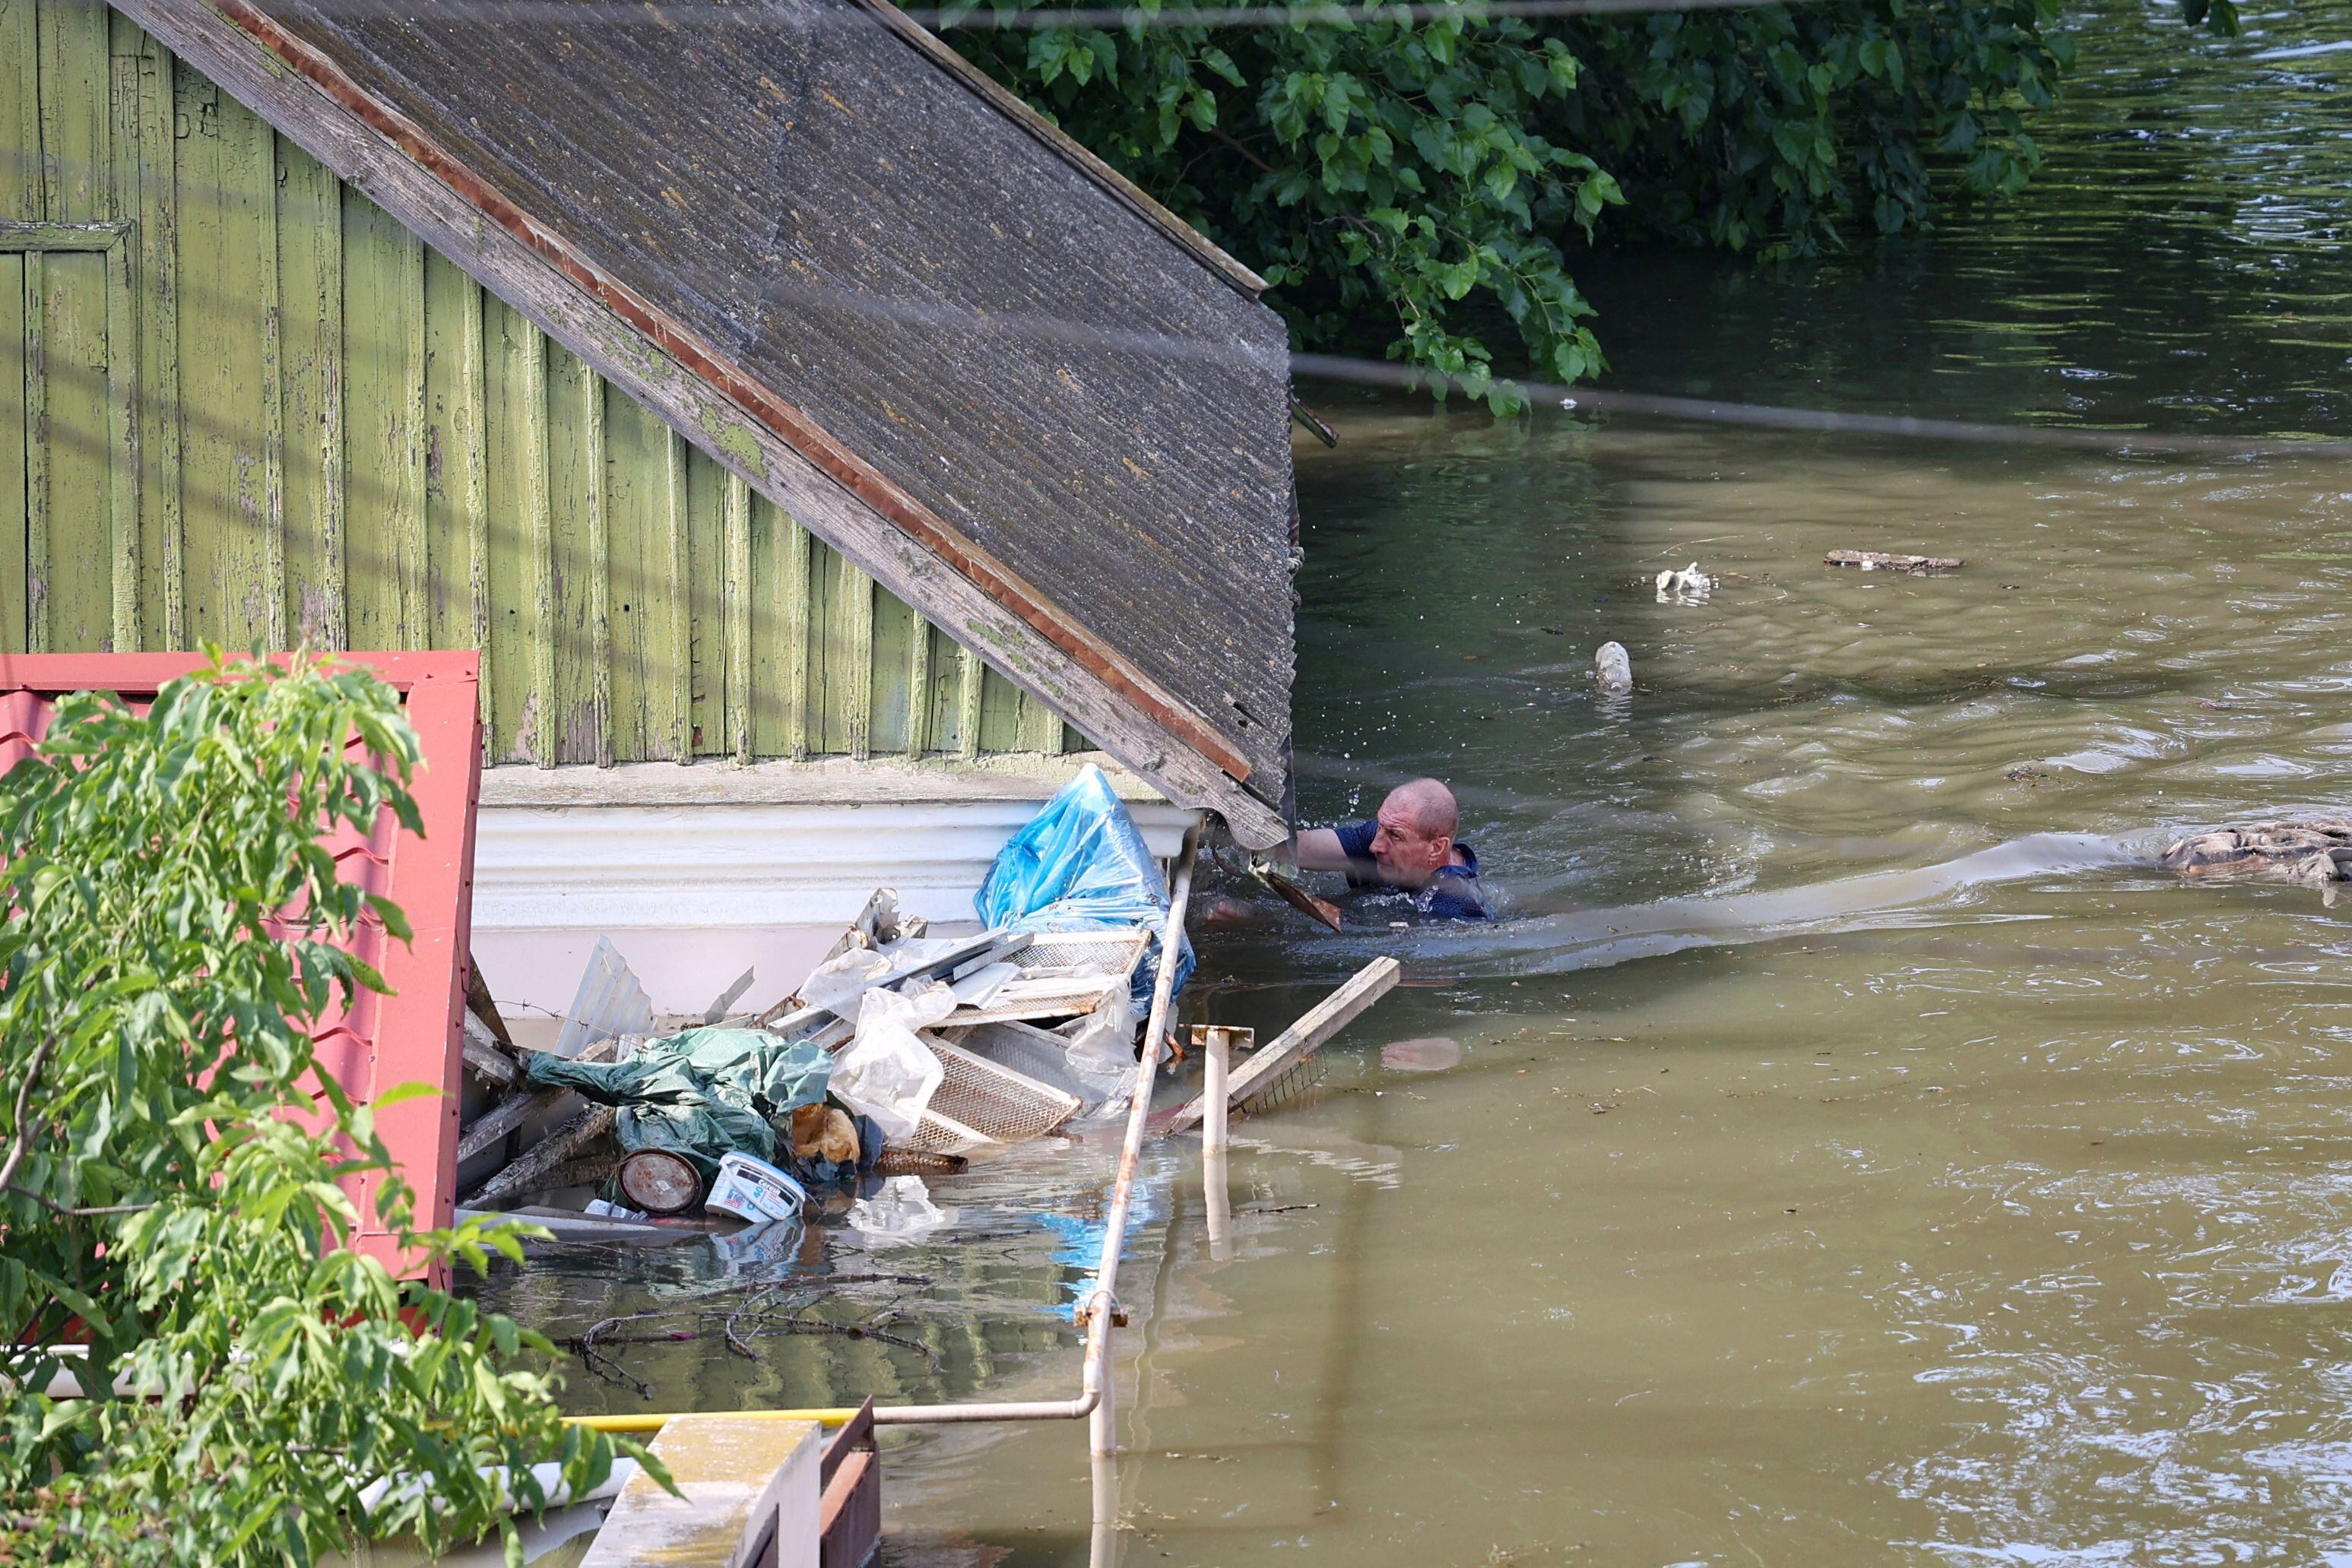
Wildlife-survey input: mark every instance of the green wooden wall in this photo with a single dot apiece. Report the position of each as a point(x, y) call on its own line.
point(240, 403)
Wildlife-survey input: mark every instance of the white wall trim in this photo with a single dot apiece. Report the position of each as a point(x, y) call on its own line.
point(828, 780)
point(694, 894)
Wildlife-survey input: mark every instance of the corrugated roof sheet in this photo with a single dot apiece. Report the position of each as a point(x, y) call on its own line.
point(381, 1042)
point(950, 342)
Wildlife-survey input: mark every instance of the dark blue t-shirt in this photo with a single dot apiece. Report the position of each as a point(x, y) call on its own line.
point(1453, 893)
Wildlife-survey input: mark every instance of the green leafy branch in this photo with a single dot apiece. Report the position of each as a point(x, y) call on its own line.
point(1408, 182)
point(175, 1207)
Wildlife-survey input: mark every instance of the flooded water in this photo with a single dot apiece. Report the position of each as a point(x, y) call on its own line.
point(1848, 1149)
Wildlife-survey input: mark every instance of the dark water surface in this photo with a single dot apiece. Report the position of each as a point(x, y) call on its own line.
point(1856, 1154)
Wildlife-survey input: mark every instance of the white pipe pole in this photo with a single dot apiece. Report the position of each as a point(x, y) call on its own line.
point(1102, 1424)
point(1220, 1054)
point(1102, 1540)
point(1215, 1191)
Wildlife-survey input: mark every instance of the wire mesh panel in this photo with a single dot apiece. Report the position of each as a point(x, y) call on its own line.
point(1115, 951)
point(978, 1098)
point(1064, 973)
point(1044, 1056)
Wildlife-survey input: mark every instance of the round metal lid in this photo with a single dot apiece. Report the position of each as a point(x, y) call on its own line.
point(659, 1182)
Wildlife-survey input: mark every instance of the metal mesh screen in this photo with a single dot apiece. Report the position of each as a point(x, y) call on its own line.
point(1043, 1056)
point(1047, 995)
point(998, 1104)
point(1112, 952)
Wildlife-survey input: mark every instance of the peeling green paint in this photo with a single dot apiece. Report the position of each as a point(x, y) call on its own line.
point(735, 440)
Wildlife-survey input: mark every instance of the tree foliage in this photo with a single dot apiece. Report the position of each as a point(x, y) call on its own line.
point(1410, 180)
point(172, 1190)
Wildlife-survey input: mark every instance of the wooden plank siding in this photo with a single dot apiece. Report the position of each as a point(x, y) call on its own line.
point(240, 403)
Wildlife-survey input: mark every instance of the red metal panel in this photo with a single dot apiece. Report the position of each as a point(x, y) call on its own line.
point(411, 1035)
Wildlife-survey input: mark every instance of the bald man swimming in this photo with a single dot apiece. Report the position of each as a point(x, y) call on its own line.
point(1410, 844)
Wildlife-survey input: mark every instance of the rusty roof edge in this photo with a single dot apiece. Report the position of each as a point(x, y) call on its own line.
point(762, 403)
point(1200, 247)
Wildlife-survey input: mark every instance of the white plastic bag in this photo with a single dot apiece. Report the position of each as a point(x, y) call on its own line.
point(885, 1072)
point(832, 984)
point(1102, 1053)
point(901, 1211)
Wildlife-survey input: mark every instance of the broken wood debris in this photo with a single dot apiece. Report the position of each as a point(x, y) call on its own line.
point(482, 1008)
point(1880, 560)
point(523, 1104)
point(1317, 909)
point(485, 1056)
point(1261, 1078)
point(1071, 1050)
point(534, 1168)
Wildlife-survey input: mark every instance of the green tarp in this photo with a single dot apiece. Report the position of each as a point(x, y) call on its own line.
point(705, 1093)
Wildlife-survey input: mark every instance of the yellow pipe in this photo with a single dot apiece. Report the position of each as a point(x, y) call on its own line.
point(655, 1421)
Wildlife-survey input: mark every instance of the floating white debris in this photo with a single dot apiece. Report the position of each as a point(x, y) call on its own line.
point(1613, 668)
point(1688, 586)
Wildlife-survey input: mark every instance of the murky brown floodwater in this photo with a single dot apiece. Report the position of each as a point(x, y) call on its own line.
point(1861, 1207)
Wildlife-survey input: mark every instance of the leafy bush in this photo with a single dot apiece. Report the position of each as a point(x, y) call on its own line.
point(1787, 129)
point(169, 1190)
point(1404, 179)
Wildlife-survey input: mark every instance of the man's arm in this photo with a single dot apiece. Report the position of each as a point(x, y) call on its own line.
point(1319, 849)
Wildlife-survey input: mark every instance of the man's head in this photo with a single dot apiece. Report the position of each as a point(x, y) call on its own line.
point(1417, 823)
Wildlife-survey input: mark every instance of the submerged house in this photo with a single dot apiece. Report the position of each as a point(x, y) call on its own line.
point(752, 382)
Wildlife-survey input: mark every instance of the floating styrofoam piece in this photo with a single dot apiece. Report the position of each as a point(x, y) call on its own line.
point(1688, 586)
point(755, 1191)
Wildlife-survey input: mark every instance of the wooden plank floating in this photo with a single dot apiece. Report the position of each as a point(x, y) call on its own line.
point(1879, 561)
point(523, 1104)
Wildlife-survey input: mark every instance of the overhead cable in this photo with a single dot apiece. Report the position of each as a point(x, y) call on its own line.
point(1767, 416)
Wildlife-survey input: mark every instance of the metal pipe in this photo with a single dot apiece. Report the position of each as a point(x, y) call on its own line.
point(1102, 1424)
point(841, 1416)
point(1095, 1400)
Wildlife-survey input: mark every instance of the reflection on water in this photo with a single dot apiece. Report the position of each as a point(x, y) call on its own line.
point(1856, 1154)
point(909, 1290)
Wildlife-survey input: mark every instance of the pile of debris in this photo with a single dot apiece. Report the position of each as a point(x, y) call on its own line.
point(900, 1053)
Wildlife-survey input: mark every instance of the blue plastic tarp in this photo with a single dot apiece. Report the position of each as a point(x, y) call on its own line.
point(1081, 864)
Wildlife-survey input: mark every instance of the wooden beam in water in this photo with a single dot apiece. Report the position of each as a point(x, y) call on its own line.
point(1299, 1041)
